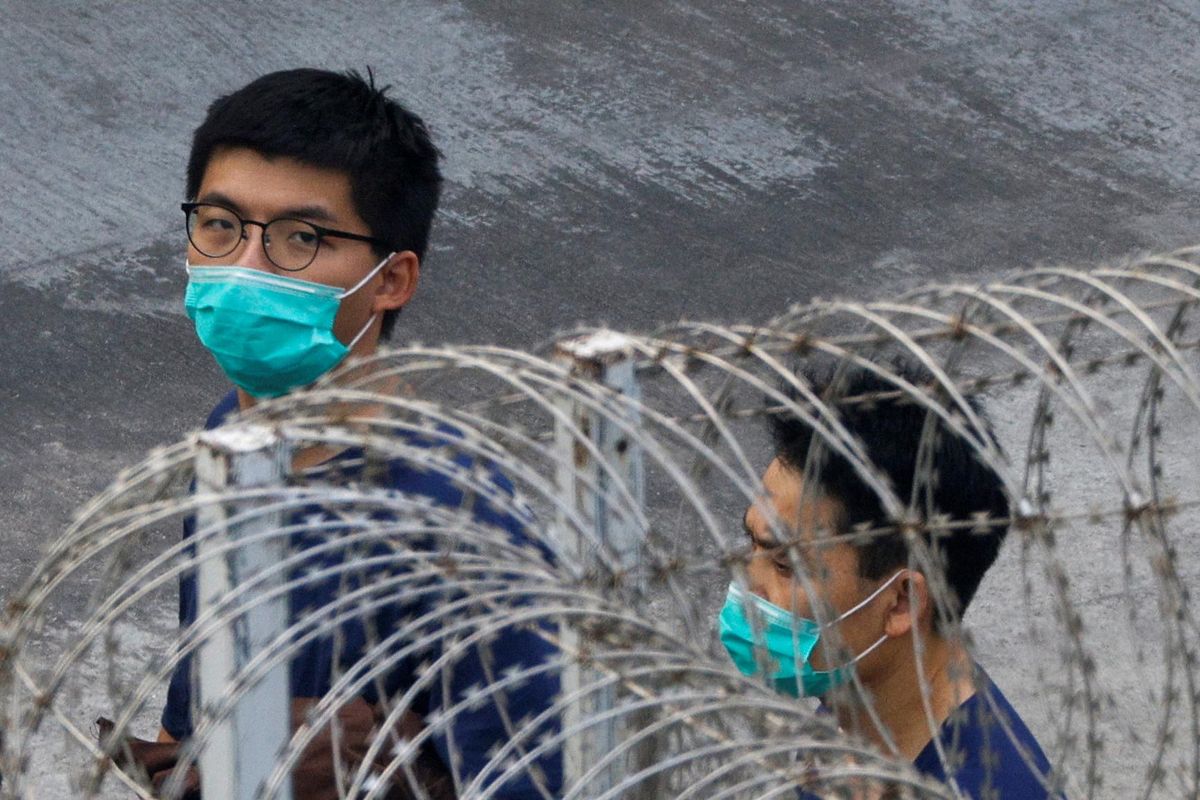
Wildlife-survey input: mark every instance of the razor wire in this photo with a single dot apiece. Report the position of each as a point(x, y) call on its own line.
point(586, 497)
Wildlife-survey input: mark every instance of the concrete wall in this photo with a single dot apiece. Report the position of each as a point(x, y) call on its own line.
point(621, 162)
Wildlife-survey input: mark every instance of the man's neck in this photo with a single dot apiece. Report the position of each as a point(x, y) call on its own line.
point(245, 400)
point(303, 458)
point(315, 455)
point(901, 706)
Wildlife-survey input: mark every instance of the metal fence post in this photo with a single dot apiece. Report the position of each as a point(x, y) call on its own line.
point(606, 358)
point(242, 749)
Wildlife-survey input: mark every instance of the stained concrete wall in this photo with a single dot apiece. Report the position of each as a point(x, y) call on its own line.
point(624, 162)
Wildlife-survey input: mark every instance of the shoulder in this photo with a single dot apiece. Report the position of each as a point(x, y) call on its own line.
point(227, 406)
point(443, 466)
point(989, 750)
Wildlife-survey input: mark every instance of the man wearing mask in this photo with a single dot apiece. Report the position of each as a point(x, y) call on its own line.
point(822, 548)
point(310, 197)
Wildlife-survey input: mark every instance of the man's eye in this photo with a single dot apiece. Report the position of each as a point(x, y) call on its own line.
point(218, 224)
point(304, 238)
point(782, 567)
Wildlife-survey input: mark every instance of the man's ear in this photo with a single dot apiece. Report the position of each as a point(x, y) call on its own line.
point(400, 276)
point(909, 604)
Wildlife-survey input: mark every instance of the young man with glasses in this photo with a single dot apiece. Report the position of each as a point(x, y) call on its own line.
point(310, 200)
point(313, 182)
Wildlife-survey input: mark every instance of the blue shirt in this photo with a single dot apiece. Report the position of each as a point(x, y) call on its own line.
point(984, 759)
point(478, 730)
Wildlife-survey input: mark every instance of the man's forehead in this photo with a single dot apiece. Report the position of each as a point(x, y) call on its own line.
point(794, 503)
point(783, 486)
point(245, 176)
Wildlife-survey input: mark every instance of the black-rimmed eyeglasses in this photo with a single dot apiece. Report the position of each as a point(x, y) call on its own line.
point(290, 244)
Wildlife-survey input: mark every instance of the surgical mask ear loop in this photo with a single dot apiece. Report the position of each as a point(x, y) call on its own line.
point(361, 331)
point(367, 277)
point(865, 652)
point(858, 607)
point(355, 288)
point(862, 604)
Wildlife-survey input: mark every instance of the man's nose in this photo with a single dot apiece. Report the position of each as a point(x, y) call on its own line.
point(252, 251)
point(755, 580)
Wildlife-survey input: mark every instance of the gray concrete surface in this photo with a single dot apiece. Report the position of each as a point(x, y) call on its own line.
point(622, 162)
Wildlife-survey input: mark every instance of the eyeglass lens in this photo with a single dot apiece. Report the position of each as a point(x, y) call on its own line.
point(289, 243)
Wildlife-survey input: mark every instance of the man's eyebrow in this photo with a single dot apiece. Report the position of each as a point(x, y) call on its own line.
point(309, 212)
point(765, 544)
point(318, 213)
point(219, 199)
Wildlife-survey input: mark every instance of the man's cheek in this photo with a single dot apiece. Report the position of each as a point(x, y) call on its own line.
point(759, 579)
point(791, 595)
point(799, 598)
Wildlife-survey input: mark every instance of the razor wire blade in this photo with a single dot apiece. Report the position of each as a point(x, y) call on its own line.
point(584, 501)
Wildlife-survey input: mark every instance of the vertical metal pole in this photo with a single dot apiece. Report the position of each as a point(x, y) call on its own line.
point(605, 358)
point(244, 745)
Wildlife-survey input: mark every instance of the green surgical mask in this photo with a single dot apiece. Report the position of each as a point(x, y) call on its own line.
point(787, 640)
point(269, 333)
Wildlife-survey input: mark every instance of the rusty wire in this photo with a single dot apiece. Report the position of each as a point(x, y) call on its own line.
point(1086, 620)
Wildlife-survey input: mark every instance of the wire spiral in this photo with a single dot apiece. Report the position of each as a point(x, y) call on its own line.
point(1090, 381)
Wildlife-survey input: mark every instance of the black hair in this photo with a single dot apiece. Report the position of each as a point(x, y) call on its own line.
point(337, 121)
point(890, 426)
